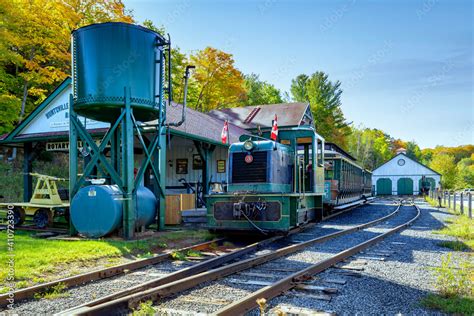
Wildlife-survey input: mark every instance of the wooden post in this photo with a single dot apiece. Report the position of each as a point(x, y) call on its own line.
point(27, 169)
point(444, 198)
point(470, 204)
point(462, 202)
point(454, 201)
point(449, 200)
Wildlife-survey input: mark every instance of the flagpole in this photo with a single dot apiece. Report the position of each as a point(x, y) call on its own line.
point(228, 132)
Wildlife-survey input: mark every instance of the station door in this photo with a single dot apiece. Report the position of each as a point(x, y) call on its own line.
point(384, 186)
point(430, 180)
point(405, 186)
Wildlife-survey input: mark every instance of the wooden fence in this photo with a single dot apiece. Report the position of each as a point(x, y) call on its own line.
point(457, 201)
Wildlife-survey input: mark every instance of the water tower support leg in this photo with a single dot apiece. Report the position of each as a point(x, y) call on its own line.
point(127, 170)
point(162, 181)
point(72, 160)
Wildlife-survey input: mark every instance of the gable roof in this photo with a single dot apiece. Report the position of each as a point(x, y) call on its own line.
point(197, 125)
point(250, 117)
point(17, 130)
point(406, 157)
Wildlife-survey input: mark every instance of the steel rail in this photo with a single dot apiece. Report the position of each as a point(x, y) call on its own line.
point(249, 302)
point(118, 302)
point(99, 274)
point(32, 228)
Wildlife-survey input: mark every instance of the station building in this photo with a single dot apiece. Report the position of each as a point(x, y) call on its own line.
point(194, 154)
point(403, 175)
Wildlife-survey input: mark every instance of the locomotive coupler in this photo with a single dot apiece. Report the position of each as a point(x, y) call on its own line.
point(238, 208)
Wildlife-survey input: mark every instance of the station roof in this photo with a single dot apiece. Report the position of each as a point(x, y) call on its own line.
point(410, 166)
point(48, 121)
point(251, 117)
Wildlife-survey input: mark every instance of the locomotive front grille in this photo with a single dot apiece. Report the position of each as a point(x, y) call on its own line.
point(253, 172)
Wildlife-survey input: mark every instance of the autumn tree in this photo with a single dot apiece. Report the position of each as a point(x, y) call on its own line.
point(216, 83)
point(260, 92)
point(35, 48)
point(324, 97)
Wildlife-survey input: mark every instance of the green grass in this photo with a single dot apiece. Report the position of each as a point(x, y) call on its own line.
point(455, 285)
point(460, 227)
point(455, 245)
point(455, 305)
point(144, 309)
point(193, 253)
point(57, 291)
point(41, 259)
point(178, 255)
point(454, 280)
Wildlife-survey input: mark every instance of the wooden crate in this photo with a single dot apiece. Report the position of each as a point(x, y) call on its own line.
point(188, 201)
point(173, 211)
point(175, 203)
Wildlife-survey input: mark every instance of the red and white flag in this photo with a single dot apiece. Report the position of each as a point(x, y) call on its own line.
point(274, 134)
point(225, 132)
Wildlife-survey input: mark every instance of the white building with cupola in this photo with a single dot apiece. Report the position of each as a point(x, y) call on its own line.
point(403, 175)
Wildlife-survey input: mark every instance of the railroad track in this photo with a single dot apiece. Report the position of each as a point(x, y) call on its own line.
point(101, 274)
point(212, 254)
point(33, 228)
point(298, 278)
point(156, 290)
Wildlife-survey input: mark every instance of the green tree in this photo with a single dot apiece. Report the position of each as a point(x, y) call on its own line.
point(260, 92)
point(445, 165)
point(324, 97)
point(298, 88)
point(371, 147)
point(465, 173)
point(413, 150)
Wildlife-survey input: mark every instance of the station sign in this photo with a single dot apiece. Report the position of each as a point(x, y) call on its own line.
point(64, 146)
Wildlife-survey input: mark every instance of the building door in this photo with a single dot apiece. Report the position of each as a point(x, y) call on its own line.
point(405, 186)
point(384, 186)
point(429, 182)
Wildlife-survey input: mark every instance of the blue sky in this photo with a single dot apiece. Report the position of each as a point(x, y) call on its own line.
point(406, 67)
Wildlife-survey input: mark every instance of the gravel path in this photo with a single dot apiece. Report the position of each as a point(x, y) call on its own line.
point(395, 285)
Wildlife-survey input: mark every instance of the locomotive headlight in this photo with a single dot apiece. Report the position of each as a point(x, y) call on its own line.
point(248, 145)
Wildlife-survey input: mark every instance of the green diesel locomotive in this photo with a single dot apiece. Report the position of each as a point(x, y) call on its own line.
point(272, 186)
